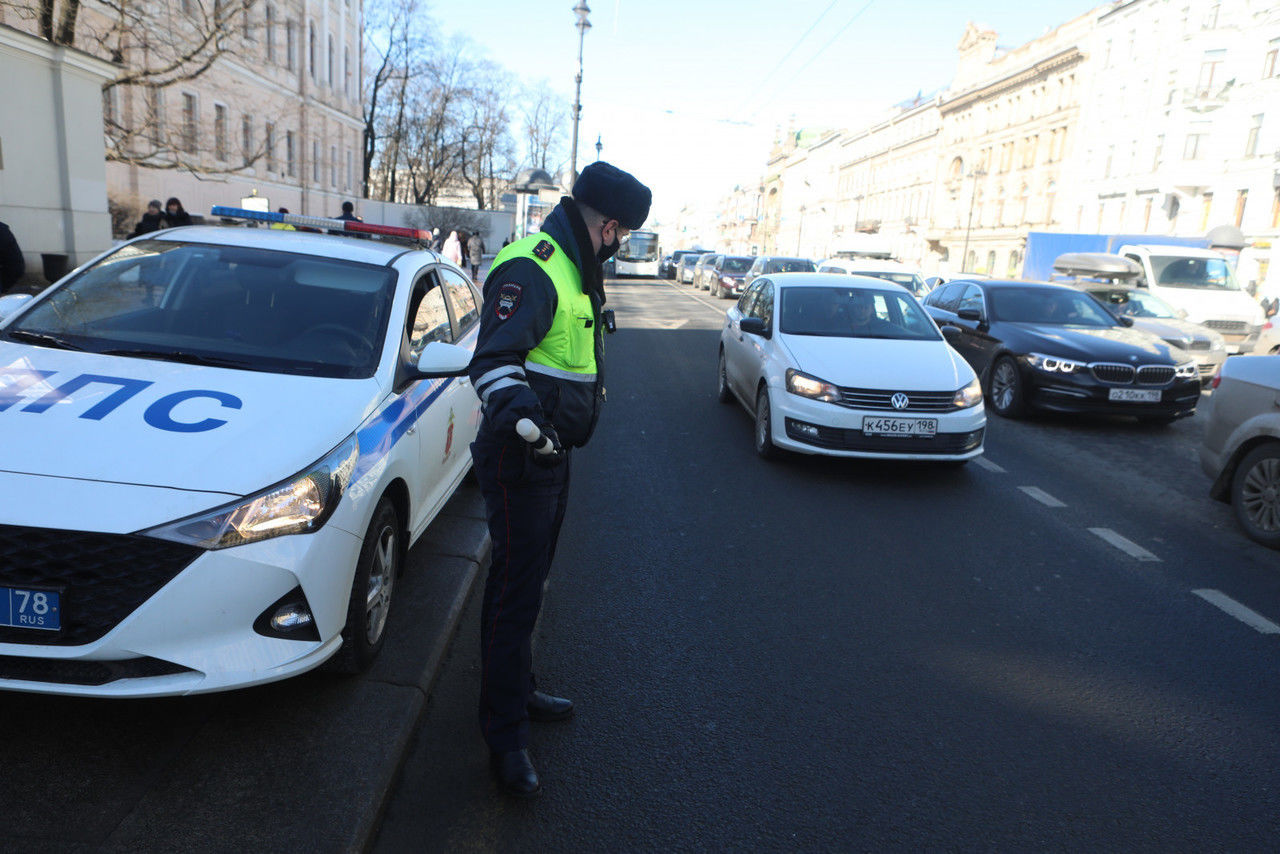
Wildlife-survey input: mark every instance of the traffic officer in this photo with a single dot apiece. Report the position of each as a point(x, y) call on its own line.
point(540, 356)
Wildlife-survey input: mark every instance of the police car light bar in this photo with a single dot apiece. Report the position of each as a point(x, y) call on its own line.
point(320, 222)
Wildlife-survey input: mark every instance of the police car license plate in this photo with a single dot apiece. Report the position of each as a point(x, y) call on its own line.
point(24, 608)
point(904, 427)
point(1135, 395)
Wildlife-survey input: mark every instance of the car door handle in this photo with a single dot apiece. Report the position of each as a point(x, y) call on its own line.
point(411, 430)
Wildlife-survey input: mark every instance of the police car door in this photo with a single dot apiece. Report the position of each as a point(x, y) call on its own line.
point(464, 303)
point(429, 321)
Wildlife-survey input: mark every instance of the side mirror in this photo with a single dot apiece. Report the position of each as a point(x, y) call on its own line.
point(439, 359)
point(754, 326)
point(933, 281)
point(1124, 319)
point(10, 304)
point(969, 314)
point(951, 333)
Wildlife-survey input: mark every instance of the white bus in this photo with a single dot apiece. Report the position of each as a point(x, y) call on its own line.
point(638, 255)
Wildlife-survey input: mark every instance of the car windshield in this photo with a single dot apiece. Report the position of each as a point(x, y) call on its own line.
point(910, 281)
point(737, 265)
point(1174, 271)
point(845, 312)
point(1136, 304)
point(790, 265)
point(1047, 306)
point(247, 308)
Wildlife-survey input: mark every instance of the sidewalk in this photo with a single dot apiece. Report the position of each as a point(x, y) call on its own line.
point(306, 764)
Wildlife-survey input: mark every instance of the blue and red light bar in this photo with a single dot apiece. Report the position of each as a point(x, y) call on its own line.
point(321, 222)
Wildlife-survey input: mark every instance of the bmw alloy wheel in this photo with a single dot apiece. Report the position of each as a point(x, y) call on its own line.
point(1006, 388)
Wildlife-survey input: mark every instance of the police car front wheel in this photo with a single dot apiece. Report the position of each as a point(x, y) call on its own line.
point(371, 589)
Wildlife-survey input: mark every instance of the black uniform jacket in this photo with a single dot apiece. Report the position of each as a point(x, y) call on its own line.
point(519, 306)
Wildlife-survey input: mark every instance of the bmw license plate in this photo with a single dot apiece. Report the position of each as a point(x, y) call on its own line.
point(1134, 395)
point(24, 608)
point(904, 427)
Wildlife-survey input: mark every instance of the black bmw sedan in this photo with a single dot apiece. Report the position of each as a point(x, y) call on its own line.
point(1040, 346)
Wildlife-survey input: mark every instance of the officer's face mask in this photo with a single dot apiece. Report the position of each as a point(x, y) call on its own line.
point(607, 250)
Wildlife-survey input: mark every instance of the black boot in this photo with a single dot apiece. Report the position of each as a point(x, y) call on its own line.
point(543, 707)
point(515, 773)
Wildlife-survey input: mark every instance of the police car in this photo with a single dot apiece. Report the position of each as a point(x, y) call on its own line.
point(219, 443)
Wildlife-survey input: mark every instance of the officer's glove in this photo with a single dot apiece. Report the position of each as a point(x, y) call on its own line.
point(547, 459)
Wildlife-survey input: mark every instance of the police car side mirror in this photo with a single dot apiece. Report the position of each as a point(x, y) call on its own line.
point(439, 359)
point(10, 304)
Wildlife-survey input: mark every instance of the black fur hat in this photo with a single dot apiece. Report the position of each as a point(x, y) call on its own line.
point(614, 193)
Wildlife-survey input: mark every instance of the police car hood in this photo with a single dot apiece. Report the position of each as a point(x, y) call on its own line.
point(150, 423)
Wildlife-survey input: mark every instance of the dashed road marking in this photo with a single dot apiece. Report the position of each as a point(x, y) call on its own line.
point(988, 465)
point(1043, 497)
point(1249, 617)
point(1127, 546)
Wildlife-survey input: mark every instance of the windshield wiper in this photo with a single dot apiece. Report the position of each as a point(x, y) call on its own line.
point(179, 356)
point(42, 338)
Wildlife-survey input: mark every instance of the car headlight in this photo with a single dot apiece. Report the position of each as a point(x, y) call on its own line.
point(728, 280)
point(970, 395)
point(811, 387)
point(1055, 364)
point(300, 505)
point(1186, 371)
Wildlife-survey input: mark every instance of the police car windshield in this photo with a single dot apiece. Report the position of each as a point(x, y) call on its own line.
point(248, 308)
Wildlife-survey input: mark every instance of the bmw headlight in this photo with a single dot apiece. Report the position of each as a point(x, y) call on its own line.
point(970, 395)
point(300, 505)
point(1055, 364)
point(1186, 371)
point(811, 387)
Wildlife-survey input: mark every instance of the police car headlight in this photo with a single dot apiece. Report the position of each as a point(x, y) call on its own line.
point(300, 505)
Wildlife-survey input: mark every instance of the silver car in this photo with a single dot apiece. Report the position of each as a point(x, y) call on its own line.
point(1269, 337)
point(1152, 314)
point(1241, 448)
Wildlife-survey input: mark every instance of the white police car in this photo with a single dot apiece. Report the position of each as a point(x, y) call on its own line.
point(218, 444)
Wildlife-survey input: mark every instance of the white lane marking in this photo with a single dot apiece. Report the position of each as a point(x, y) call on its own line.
point(1127, 546)
point(1250, 618)
point(988, 465)
point(1043, 497)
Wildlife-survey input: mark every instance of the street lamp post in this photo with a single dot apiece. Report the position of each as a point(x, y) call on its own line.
point(800, 230)
point(581, 10)
point(599, 146)
point(973, 197)
point(857, 216)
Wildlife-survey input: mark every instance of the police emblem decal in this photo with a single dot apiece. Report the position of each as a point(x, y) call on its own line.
point(508, 300)
point(544, 250)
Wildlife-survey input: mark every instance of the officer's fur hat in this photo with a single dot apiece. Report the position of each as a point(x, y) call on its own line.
point(614, 193)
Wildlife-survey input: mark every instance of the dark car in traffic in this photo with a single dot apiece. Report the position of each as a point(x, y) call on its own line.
point(667, 268)
point(1053, 347)
point(727, 273)
point(767, 264)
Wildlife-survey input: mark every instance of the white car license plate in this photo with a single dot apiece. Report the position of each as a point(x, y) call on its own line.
point(905, 427)
point(1135, 395)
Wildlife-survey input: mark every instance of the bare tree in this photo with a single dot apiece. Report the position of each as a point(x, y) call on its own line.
point(395, 54)
point(486, 149)
point(546, 116)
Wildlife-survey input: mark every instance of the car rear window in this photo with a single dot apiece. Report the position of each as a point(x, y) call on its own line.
point(249, 308)
point(789, 265)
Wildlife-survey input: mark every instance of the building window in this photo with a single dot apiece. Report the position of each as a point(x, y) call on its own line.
point(991, 262)
point(271, 33)
point(315, 161)
point(246, 139)
point(290, 46)
point(1210, 67)
point(329, 67)
point(349, 169)
point(220, 131)
point(346, 71)
point(333, 166)
point(1111, 156)
point(188, 122)
point(1193, 149)
point(311, 49)
point(290, 155)
point(1015, 258)
point(1242, 198)
point(1251, 141)
point(109, 110)
point(1269, 61)
point(155, 114)
point(1275, 210)
point(269, 142)
point(1206, 207)
point(1158, 154)
point(1211, 17)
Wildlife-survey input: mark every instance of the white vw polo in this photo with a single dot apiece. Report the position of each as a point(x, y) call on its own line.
point(219, 443)
point(848, 366)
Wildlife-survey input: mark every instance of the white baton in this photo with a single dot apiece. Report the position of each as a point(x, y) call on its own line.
point(531, 434)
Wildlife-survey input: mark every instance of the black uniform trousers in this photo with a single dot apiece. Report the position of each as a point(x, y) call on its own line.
point(525, 504)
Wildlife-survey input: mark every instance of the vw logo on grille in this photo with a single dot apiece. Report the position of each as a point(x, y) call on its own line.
point(900, 401)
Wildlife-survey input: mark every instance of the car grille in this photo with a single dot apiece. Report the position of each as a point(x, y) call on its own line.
point(1105, 372)
point(102, 577)
point(1155, 374)
point(919, 401)
point(1207, 370)
point(74, 672)
point(839, 439)
point(1228, 325)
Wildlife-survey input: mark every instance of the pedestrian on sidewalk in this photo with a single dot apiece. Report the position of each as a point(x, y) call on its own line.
point(175, 214)
point(152, 220)
point(537, 359)
point(463, 242)
point(12, 265)
point(437, 245)
point(475, 249)
point(452, 248)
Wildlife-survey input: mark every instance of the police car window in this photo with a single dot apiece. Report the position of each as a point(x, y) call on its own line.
point(239, 307)
point(430, 319)
point(462, 301)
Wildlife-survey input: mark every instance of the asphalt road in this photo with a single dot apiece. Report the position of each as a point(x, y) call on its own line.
point(824, 655)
